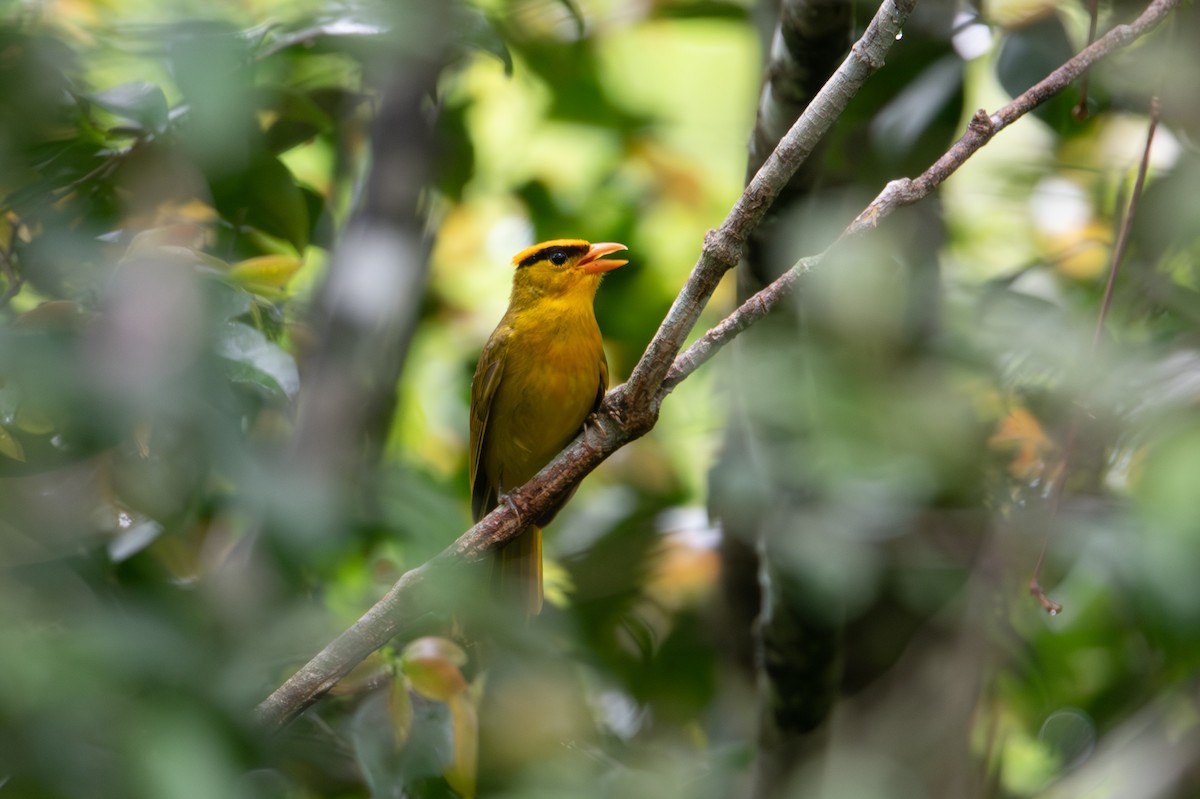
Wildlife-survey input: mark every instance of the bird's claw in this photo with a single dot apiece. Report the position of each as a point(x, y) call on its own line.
point(592, 422)
point(507, 501)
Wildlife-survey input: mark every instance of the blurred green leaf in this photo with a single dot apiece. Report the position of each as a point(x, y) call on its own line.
point(256, 361)
point(265, 196)
point(227, 302)
point(272, 271)
point(480, 33)
point(129, 542)
point(297, 118)
point(455, 149)
point(464, 726)
point(704, 9)
point(140, 103)
point(901, 122)
point(400, 711)
point(578, 93)
point(10, 447)
point(431, 665)
point(345, 27)
point(428, 750)
point(36, 81)
point(1168, 221)
point(920, 114)
point(576, 14)
point(321, 226)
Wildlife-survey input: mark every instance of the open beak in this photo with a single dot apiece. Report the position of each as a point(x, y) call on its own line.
point(591, 263)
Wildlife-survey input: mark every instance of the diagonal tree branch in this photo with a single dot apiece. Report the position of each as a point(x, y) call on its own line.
point(806, 47)
point(631, 409)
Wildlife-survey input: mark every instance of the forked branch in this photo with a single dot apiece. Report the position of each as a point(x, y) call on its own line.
point(630, 410)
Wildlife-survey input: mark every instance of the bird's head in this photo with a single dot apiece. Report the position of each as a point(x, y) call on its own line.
point(562, 267)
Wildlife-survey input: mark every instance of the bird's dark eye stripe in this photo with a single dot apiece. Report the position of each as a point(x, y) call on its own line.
point(548, 253)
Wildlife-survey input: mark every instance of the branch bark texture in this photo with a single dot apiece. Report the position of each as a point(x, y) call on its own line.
point(808, 43)
point(630, 410)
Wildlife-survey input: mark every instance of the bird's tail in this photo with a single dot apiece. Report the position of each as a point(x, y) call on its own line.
point(517, 575)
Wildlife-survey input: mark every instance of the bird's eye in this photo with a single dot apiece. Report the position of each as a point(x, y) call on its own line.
point(558, 257)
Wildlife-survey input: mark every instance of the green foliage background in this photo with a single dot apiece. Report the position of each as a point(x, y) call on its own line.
point(175, 179)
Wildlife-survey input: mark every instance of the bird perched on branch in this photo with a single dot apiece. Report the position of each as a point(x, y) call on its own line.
point(541, 374)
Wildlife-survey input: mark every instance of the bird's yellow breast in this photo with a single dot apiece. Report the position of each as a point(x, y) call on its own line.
point(546, 394)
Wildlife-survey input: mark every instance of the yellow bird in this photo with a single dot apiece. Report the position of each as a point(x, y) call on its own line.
point(540, 376)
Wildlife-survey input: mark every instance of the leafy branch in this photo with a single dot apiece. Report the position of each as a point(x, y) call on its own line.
point(631, 409)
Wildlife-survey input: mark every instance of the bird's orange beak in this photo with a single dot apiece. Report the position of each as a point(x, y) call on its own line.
point(591, 263)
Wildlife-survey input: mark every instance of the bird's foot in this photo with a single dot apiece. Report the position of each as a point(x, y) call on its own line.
point(591, 423)
point(505, 499)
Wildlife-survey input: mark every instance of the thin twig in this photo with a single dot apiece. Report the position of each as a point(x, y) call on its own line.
point(110, 162)
point(983, 127)
point(1118, 254)
point(1080, 111)
point(754, 308)
point(1114, 266)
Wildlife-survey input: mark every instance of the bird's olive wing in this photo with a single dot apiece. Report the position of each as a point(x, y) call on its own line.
point(603, 387)
point(483, 392)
